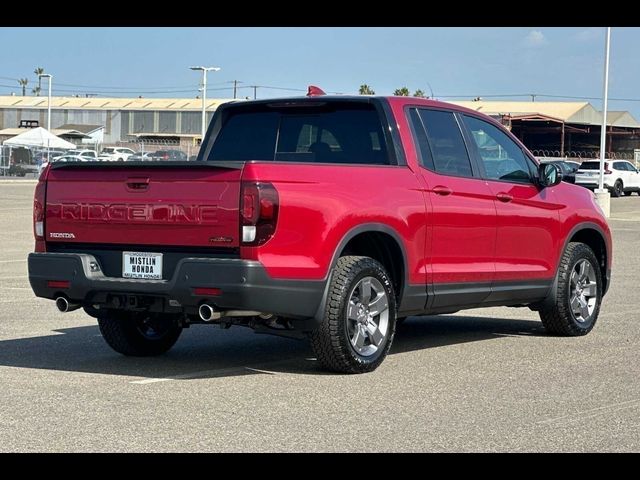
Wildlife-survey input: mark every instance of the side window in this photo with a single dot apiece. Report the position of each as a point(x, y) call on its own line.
point(502, 157)
point(620, 166)
point(446, 144)
point(420, 138)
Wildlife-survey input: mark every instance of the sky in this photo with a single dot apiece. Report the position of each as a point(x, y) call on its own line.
point(459, 63)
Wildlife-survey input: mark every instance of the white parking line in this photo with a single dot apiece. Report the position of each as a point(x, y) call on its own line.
point(13, 261)
point(593, 412)
point(187, 376)
point(219, 372)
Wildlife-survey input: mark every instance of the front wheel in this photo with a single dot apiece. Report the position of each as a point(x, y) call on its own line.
point(357, 329)
point(618, 188)
point(578, 294)
point(139, 334)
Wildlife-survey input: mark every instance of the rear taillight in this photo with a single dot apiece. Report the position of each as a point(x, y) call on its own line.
point(39, 210)
point(258, 212)
point(606, 169)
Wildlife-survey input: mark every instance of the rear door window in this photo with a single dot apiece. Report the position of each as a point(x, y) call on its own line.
point(441, 143)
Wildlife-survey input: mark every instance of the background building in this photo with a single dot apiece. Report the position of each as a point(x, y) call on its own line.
point(565, 129)
point(123, 119)
point(549, 129)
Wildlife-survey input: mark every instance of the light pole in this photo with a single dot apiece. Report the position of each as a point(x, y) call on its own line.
point(602, 194)
point(50, 77)
point(204, 95)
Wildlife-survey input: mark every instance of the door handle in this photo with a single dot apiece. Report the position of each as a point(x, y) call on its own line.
point(442, 190)
point(504, 197)
point(137, 184)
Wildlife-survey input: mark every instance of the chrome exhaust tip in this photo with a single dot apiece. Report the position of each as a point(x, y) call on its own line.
point(64, 306)
point(208, 313)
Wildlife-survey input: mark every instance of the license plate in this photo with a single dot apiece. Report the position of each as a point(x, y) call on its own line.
point(142, 265)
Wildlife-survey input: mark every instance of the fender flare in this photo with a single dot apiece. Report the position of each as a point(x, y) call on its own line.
point(352, 233)
point(550, 299)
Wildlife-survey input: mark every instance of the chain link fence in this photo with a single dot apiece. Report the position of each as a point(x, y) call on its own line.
point(24, 161)
point(581, 155)
point(187, 146)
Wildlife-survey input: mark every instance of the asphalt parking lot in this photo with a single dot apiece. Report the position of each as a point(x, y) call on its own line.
point(480, 380)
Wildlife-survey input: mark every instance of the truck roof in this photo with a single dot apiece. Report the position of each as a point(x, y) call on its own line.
point(393, 101)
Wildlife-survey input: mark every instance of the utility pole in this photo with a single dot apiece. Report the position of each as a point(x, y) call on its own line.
point(533, 97)
point(50, 77)
point(255, 91)
point(603, 198)
point(235, 87)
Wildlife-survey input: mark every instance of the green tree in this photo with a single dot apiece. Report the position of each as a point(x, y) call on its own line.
point(419, 93)
point(23, 83)
point(366, 90)
point(38, 71)
point(401, 92)
point(36, 91)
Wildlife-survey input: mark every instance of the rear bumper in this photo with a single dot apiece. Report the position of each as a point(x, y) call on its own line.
point(592, 185)
point(244, 285)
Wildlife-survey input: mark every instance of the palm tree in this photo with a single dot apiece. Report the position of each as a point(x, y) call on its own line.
point(36, 91)
point(366, 90)
point(38, 71)
point(23, 83)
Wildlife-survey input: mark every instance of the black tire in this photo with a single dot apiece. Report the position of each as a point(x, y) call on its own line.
point(617, 189)
point(331, 341)
point(139, 334)
point(628, 193)
point(560, 319)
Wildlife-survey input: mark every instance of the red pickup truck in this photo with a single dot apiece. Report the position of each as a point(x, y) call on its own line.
point(324, 217)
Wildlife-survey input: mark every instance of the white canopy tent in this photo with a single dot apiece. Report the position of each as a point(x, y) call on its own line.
point(39, 137)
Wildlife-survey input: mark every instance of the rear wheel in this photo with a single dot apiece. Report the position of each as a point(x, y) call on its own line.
point(618, 188)
point(359, 320)
point(578, 294)
point(139, 334)
point(628, 193)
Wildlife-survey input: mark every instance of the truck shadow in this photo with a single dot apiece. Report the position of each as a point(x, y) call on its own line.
point(206, 352)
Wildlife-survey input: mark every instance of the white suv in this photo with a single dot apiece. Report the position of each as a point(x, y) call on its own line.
point(115, 154)
point(88, 154)
point(620, 176)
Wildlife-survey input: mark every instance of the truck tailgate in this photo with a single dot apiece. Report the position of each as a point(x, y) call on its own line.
point(181, 205)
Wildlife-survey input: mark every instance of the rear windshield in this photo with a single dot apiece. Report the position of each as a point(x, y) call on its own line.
point(329, 133)
point(590, 166)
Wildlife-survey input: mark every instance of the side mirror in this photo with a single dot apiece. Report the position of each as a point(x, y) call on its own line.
point(549, 174)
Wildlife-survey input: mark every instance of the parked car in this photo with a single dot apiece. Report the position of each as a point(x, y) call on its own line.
point(170, 155)
point(620, 176)
point(115, 154)
point(71, 157)
point(89, 154)
point(139, 156)
point(329, 218)
point(22, 169)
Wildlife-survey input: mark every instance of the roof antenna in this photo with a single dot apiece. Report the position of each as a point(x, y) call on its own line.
point(314, 91)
